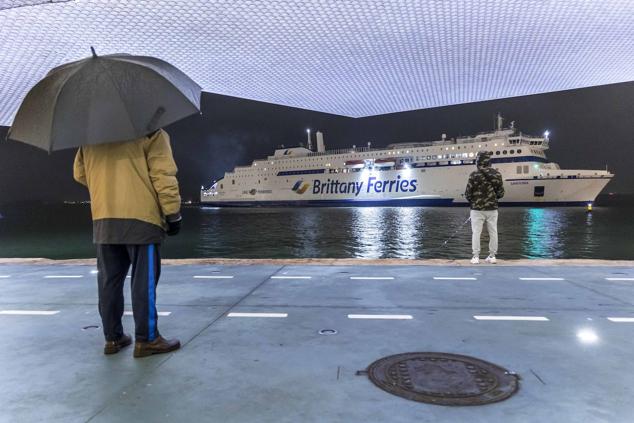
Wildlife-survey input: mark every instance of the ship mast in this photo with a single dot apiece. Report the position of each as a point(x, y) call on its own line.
point(500, 121)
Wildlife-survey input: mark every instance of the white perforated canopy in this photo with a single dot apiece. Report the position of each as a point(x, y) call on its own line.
point(347, 57)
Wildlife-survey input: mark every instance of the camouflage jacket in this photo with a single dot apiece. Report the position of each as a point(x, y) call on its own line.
point(483, 192)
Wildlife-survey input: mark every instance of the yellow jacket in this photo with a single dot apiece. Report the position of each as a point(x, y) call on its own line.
point(131, 180)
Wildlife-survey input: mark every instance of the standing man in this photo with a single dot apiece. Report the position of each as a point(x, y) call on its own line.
point(134, 203)
point(484, 189)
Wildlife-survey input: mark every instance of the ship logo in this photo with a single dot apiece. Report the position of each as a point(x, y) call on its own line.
point(300, 187)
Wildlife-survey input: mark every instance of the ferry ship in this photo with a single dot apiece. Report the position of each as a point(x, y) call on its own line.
point(431, 173)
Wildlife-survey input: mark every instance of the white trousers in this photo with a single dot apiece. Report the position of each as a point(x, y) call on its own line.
point(478, 217)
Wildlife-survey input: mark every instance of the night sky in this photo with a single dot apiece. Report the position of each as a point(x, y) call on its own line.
point(589, 128)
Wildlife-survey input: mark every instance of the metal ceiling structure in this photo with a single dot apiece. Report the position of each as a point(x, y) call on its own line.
point(347, 57)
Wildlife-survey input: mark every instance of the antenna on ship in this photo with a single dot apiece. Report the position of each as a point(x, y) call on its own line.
point(310, 142)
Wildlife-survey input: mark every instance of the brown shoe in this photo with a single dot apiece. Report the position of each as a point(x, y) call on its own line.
point(159, 346)
point(113, 347)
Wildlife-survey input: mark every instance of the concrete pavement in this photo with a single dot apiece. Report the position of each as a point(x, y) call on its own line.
point(252, 351)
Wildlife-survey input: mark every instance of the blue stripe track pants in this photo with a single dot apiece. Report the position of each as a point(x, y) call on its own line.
point(113, 264)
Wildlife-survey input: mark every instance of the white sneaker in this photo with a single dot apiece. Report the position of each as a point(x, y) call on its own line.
point(475, 260)
point(491, 260)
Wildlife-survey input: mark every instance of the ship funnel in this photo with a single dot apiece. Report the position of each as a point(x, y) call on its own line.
point(321, 147)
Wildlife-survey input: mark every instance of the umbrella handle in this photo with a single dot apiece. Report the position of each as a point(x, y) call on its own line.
point(155, 118)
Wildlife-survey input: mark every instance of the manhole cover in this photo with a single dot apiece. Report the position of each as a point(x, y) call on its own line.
point(328, 332)
point(444, 379)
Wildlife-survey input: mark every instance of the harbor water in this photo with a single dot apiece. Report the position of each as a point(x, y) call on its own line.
point(64, 232)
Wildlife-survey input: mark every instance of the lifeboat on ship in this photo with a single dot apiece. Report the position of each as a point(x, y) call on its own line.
point(387, 162)
point(354, 164)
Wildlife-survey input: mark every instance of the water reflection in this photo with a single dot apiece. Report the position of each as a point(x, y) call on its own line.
point(405, 232)
point(408, 236)
point(544, 237)
point(369, 232)
point(306, 227)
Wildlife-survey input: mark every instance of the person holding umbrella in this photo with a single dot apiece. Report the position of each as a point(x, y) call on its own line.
point(134, 197)
point(113, 107)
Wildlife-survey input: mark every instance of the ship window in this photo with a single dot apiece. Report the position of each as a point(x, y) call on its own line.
point(497, 153)
point(519, 170)
point(519, 151)
point(233, 182)
point(220, 186)
point(512, 151)
point(526, 169)
point(504, 152)
point(539, 191)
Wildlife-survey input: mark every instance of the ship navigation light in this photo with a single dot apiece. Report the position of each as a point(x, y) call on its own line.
point(546, 134)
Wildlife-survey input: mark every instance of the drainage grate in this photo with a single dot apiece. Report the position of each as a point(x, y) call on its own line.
point(443, 379)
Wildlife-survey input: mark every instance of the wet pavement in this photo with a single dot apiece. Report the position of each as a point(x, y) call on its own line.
point(252, 351)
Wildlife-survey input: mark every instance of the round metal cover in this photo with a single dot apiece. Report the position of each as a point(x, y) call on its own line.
point(442, 378)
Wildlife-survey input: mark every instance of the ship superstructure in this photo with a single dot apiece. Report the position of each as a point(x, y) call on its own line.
point(409, 174)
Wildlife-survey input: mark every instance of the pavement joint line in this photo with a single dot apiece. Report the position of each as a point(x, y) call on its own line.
point(29, 312)
point(588, 288)
point(541, 279)
point(603, 294)
point(621, 319)
point(212, 277)
point(234, 305)
point(612, 279)
point(257, 315)
point(449, 278)
point(381, 316)
point(291, 277)
point(63, 276)
point(372, 278)
point(514, 318)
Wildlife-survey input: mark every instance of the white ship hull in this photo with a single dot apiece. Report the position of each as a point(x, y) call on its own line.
point(433, 174)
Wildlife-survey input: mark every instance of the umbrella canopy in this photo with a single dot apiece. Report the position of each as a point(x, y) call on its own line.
point(104, 99)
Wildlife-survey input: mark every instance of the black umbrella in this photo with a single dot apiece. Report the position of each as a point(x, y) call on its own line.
point(104, 99)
